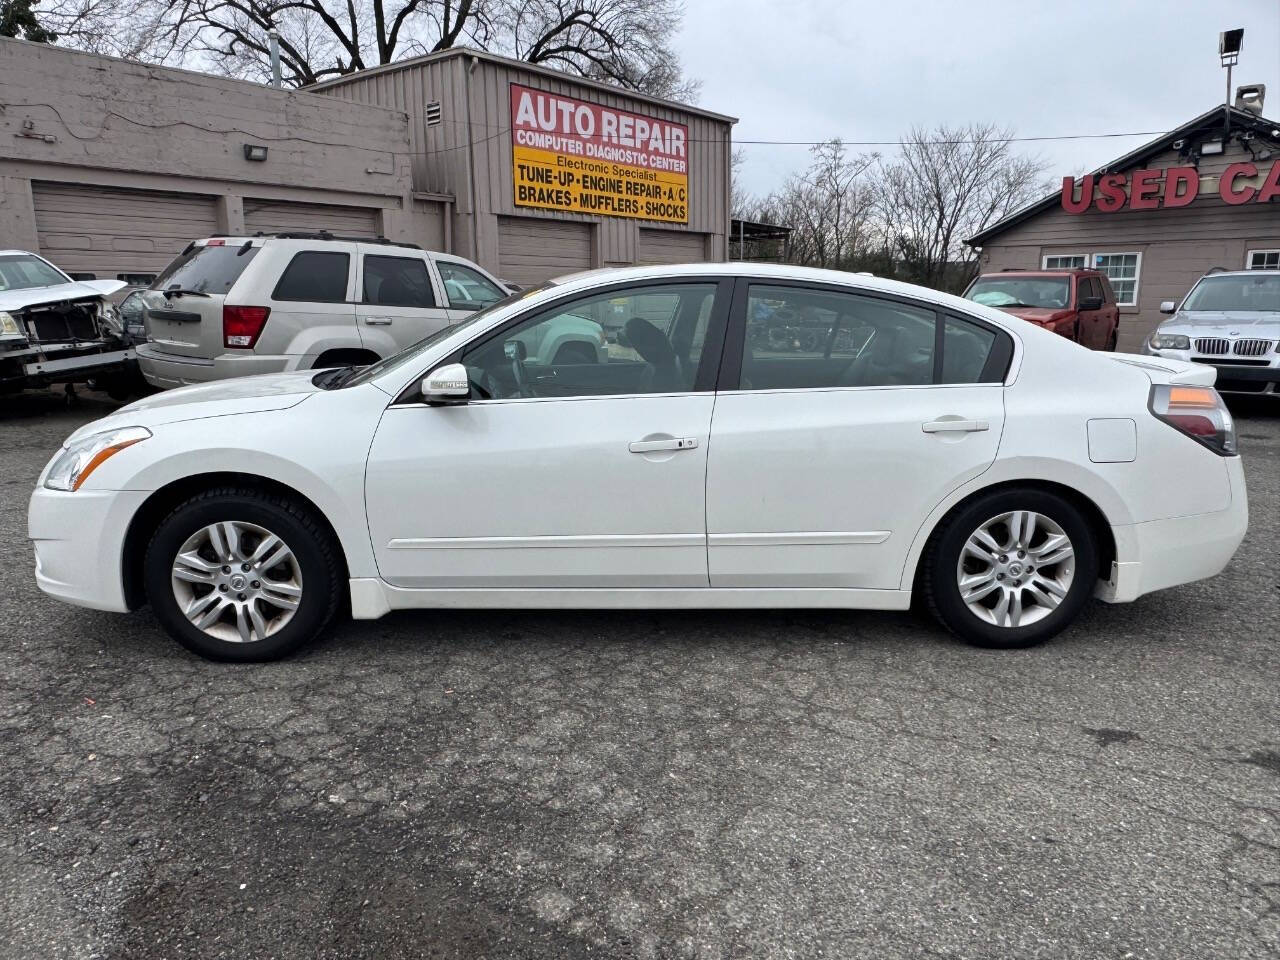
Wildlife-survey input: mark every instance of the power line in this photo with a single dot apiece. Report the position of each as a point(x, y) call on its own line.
point(898, 143)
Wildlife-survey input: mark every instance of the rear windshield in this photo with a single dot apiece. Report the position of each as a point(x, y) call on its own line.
point(206, 269)
point(23, 271)
point(1049, 292)
point(1241, 293)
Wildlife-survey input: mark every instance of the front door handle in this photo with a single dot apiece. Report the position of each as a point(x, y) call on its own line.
point(377, 321)
point(955, 426)
point(675, 443)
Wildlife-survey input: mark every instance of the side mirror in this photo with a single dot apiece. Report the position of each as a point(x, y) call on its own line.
point(1090, 303)
point(1168, 306)
point(447, 384)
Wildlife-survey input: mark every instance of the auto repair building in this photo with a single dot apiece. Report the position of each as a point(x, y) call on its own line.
point(110, 167)
point(1202, 197)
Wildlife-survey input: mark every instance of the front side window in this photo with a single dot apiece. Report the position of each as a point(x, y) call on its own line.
point(633, 341)
point(809, 338)
point(1122, 270)
point(467, 289)
point(22, 271)
point(314, 276)
point(397, 282)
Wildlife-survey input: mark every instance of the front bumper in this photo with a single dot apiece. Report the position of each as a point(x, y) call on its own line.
point(1166, 553)
point(167, 370)
point(79, 541)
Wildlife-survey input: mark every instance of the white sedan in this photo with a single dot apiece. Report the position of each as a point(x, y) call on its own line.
point(917, 444)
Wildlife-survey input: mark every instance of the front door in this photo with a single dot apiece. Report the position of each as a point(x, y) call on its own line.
point(844, 432)
point(559, 474)
point(397, 303)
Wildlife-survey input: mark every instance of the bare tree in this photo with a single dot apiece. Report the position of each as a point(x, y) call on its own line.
point(627, 42)
point(826, 207)
point(944, 186)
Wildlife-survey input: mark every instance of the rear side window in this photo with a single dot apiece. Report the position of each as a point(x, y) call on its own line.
point(397, 282)
point(206, 269)
point(315, 276)
point(970, 353)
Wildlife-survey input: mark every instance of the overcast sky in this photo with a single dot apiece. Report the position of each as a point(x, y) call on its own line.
point(816, 69)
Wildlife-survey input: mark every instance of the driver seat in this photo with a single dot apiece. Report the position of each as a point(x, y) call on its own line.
point(664, 374)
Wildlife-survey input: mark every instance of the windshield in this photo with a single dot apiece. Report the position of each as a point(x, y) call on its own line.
point(208, 269)
point(411, 353)
point(1048, 292)
point(23, 271)
point(1238, 292)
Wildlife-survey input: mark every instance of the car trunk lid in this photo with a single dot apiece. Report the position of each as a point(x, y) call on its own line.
point(183, 309)
point(1163, 370)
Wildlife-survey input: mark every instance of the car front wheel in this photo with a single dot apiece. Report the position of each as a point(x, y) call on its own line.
point(1012, 568)
point(242, 575)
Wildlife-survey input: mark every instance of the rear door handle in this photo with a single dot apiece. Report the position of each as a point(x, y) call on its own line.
point(675, 443)
point(377, 321)
point(955, 426)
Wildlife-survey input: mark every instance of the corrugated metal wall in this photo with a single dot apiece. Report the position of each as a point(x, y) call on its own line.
point(441, 153)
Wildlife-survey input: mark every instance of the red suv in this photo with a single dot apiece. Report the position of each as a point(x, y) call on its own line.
point(1078, 304)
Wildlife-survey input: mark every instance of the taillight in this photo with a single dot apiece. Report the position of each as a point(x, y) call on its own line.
point(241, 326)
point(1198, 412)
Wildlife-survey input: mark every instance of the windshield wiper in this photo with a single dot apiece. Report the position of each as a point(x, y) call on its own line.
point(176, 291)
point(331, 379)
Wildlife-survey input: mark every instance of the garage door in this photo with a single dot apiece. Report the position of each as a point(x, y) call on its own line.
point(284, 216)
point(112, 233)
point(530, 251)
point(668, 246)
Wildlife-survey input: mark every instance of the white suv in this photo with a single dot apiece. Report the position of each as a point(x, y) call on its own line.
point(235, 306)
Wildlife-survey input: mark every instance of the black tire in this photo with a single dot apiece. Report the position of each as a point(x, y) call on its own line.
point(943, 557)
point(313, 547)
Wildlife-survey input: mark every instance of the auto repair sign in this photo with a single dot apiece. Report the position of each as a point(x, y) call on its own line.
point(579, 157)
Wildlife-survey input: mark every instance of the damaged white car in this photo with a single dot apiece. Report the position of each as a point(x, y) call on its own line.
point(57, 330)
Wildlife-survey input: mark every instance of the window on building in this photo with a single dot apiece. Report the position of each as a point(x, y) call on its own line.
point(1122, 270)
point(1263, 260)
point(1065, 261)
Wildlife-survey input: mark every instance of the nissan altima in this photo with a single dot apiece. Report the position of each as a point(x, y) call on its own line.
point(916, 446)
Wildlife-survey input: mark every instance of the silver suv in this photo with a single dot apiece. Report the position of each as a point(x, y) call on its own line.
point(236, 306)
point(1231, 321)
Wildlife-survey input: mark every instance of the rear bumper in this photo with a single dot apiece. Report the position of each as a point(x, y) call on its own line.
point(167, 370)
point(78, 539)
point(1166, 553)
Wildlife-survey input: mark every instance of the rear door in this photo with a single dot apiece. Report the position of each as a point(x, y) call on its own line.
point(398, 302)
point(1090, 332)
point(826, 458)
point(182, 310)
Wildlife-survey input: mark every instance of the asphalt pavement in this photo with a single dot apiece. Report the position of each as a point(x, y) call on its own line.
point(652, 785)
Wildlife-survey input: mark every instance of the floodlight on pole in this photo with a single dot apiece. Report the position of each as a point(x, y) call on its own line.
point(1229, 44)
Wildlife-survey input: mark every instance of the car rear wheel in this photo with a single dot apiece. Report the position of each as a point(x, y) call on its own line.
point(1011, 569)
point(242, 575)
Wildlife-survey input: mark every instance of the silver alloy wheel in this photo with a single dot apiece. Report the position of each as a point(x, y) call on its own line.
point(1015, 569)
point(237, 581)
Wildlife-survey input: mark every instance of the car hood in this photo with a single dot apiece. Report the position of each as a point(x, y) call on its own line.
point(275, 391)
point(75, 290)
point(1219, 323)
point(1035, 314)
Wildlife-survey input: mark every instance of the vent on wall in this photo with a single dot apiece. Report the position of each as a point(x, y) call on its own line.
point(433, 113)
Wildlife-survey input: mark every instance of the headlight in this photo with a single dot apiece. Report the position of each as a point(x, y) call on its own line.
point(1169, 341)
point(77, 460)
point(8, 325)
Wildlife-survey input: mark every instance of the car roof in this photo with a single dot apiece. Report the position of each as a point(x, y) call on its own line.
point(1242, 273)
point(1085, 271)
